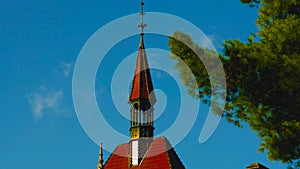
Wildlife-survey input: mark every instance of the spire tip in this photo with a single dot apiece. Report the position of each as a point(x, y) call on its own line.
point(142, 13)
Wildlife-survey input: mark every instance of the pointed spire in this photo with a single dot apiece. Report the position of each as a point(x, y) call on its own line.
point(100, 160)
point(142, 86)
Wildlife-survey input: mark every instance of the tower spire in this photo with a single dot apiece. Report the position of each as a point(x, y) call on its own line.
point(100, 160)
point(142, 100)
point(142, 87)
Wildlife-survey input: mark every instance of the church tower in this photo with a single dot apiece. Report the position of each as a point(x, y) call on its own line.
point(142, 150)
point(142, 100)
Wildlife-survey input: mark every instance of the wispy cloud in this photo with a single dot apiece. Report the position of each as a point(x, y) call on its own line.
point(67, 68)
point(45, 101)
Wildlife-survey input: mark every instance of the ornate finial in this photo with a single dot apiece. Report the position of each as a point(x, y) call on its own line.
point(142, 13)
point(100, 160)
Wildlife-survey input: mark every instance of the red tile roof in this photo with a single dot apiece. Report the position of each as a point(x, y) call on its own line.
point(160, 155)
point(142, 83)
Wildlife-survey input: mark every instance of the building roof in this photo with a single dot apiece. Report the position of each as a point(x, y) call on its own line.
point(142, 83)
point(160, 155)
point(257, 166)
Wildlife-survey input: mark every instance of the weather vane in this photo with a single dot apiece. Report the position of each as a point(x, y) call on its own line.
point(142, 13)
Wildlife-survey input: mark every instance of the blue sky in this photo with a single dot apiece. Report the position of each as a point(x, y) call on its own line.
point(39, 44)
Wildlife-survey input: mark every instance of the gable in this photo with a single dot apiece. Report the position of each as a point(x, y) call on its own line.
point(157, 157)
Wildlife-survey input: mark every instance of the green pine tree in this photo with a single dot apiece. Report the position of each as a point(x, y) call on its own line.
point(262, 76)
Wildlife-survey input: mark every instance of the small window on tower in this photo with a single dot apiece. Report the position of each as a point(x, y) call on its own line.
point(136, 106)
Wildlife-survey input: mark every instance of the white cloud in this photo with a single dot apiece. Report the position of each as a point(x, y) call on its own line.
point(67, 68)
point(45, 101)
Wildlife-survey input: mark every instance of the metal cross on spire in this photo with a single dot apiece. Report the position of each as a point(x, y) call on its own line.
point(142, 13)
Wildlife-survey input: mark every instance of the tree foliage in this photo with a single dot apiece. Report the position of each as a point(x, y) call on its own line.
point(262, 76)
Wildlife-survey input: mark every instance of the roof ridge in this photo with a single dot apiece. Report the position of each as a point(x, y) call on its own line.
point(175, 157)
point(166, 142)
point(145, 156)
point(146, 152)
